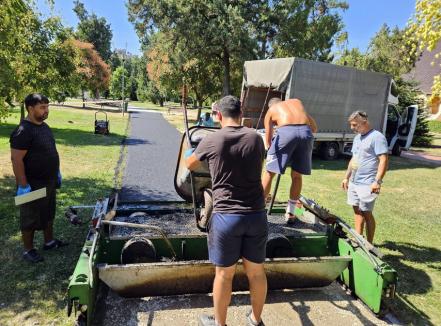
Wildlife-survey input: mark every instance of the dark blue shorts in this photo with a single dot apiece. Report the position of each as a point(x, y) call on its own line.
point(232, 236)
point(292, 145)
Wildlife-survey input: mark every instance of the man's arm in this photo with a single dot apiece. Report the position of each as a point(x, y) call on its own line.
point(268, 129)
point(192, 162)
point(17, 156)
point(381, 171)
point(312, 124)
point(345, 181)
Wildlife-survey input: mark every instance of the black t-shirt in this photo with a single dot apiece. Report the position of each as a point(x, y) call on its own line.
point(235, 156)
point(41, 160)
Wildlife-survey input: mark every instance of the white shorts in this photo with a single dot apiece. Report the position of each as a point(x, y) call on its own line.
point(361, 196)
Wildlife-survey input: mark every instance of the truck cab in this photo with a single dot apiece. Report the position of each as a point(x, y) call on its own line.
point(400, 128)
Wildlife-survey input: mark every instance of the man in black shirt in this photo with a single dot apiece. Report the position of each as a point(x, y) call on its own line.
point(238, 226)
point(36, 165)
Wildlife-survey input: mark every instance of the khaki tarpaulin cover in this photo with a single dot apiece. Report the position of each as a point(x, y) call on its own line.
point(329, 92)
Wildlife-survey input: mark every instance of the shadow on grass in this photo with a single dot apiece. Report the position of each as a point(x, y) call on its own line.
point(395, 163)
point(412, 281)
point(38, 290)
point(76, 137)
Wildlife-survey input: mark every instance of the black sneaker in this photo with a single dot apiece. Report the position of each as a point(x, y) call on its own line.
point(207, 320)
point(250, 321)
point(32, 256)
point(55, 244)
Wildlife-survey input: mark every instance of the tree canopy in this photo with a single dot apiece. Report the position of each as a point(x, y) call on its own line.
point(94, 73)
point(33, 54)
point(424, 33)
point(384, 54)
point(222, 34)
point(94, 30)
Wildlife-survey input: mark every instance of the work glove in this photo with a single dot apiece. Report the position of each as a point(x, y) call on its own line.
point(59, 179)
point(188, 152)
point(21, 190)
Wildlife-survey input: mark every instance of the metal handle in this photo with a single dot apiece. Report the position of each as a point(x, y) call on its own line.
point(92, 252)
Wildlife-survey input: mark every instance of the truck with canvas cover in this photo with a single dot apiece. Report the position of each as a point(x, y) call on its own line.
point(330, 93)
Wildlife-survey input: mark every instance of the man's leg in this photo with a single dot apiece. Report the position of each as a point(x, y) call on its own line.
point(222, 287)
point(258, 287)
point(28, 239)
point(370, 225)
point(296, 185)
point(48, 232)
point(359, 220)
point(267, 179)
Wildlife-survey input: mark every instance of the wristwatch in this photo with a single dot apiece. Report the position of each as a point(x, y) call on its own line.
point(378, 181)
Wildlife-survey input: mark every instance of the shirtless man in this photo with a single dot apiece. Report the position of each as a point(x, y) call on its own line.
point(292, 145)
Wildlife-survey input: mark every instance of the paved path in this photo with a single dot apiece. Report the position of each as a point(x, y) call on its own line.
point(152, 149)
point(422, 157)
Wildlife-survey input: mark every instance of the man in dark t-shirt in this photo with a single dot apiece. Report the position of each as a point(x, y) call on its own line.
point(36, 165)
point(238, 226)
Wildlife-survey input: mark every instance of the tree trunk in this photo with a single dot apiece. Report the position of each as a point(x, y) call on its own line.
point(263, 49)
point(226, 63)
point(22, 112)
point(198, 116)
point(82, 94)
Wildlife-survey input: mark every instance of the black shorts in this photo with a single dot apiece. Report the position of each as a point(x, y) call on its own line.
point(36, 214)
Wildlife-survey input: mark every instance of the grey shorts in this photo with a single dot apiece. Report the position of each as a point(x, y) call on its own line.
point(36, 214)
point(361, 196)
point(292, 145)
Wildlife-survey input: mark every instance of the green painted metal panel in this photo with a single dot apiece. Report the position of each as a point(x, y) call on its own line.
point(82, 289)
point(363, 278)
point(310, 246)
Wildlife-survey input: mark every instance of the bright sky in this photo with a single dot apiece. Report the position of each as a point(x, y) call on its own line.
point(363, 18)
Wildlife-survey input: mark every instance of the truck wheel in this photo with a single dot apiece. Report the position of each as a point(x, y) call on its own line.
point(396, 150)
point(329, 151)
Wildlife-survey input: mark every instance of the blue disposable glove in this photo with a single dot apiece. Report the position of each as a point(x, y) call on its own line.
point(23, 190)
point(59, 179)
point(188, 152)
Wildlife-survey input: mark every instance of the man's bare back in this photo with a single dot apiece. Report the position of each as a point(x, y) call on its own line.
point(289, 112)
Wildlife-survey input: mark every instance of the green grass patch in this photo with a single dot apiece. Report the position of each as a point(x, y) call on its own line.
point(408, 228)
point(432, 149)
point(35, 294)
point(435, 126)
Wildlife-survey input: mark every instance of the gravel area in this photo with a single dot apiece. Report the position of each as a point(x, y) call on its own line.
point(181, 222)
point(321, 306)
